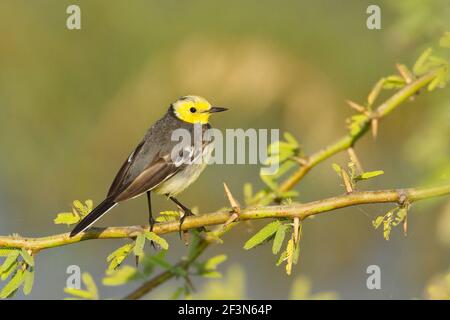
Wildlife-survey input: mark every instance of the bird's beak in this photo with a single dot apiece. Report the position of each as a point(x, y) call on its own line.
point(217, 109)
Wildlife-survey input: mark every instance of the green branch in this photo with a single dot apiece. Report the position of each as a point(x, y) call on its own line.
point(349, 140)
point(216, 218)
point(310, 162)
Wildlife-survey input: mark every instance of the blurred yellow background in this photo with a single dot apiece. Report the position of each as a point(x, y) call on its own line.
point(73, 104)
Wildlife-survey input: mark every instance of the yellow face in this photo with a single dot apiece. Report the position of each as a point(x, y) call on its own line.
point(194, 109)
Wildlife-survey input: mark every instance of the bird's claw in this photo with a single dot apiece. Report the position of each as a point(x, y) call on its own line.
point(186, 213)
point(152, 222)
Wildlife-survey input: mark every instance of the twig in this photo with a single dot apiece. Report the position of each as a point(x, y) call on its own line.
point(282, 211)
point(349, 140)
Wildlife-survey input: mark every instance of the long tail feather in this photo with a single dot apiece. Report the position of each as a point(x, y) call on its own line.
point(93, 216)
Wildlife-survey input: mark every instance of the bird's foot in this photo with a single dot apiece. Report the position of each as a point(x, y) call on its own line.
point(184, 233)
point(152, 222)
point(186, 213)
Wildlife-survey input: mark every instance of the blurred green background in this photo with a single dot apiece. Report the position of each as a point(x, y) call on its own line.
point(74, 104)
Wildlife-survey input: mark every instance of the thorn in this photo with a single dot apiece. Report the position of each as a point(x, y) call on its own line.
point(234, 204)
point(303, 161)
point(347, 183)
point(296, 228)
point(356, 106)
point(354, 159)
point(404, 203)
point(234, 216)
point(374, 128)
point(236, 208)
point(405, 225)
point(404, 72)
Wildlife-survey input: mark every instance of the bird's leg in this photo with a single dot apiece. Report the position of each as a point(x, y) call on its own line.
point(151, 220)
point(186, 211)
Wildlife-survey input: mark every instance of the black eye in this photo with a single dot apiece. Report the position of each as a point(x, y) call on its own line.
point(193, 110)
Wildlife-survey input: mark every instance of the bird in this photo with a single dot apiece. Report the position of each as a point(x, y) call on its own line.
point(150, 168)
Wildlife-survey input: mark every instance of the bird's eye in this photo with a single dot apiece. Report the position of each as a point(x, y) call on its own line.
point(193, 110)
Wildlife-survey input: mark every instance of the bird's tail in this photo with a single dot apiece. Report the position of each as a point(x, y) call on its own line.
point(93, 216)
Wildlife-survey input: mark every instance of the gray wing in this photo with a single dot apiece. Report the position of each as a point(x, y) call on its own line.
point(124, 175)
point(147, 166)
point(150, 163)
point(157, 172)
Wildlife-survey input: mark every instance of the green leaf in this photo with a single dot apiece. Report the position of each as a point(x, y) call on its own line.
point(283, 168)
point(147, 268)
point(420, 65)
point(337, 168)
point(400, 216)
point(387, 224)
point(67, 218)
point(29, 260)
point(10, 259)
point(289, 194)
point(167, 216)
point(179, 271)
point(440, 80)
point(289, 256)
point(356, 122)
point(158, 260)
point(212, 263)
point(377, 222)
point(394, 82)
point(78, 293)
point(291, 139)
point(120, 276)
point(369, 175)
point(83, 209)
point(90, 285)
point(194, 244)
point(119, 255)
point(248, 190)
point(28, 281)
point(157, 239)
point(279, 238)
point(175, 214)
point(268, 180)
point(138, 249)
point(283, 257)
point(177, 294)
point(212, 274)
point(78, 205)
point(445, 40)
point(89, 205)
point(6, 251)
point(10, 288)
point(248, 193)
point(262, 234)
point(9, 271)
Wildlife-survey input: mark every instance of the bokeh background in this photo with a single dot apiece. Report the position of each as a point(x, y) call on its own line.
point(73, 104)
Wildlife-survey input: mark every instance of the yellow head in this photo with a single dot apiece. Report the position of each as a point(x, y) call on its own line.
point(194, 109)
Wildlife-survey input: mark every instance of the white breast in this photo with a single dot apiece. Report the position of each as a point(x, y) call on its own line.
point(185, 177)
